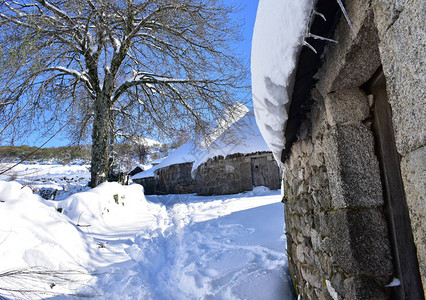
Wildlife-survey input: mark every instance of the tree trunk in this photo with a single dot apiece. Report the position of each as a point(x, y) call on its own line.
point(100, 141)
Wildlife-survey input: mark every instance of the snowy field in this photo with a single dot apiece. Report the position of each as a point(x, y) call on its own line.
point(112, 242)
point(66, 179)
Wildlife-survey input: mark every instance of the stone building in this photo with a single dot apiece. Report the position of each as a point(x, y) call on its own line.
point(172, 175)
point(237, 173)
point(354, 179)
point(175, 179)
point(149, 183)
point(236, 161)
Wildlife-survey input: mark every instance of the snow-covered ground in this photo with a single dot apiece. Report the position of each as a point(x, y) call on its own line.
point(112, 242)
point(67, 179)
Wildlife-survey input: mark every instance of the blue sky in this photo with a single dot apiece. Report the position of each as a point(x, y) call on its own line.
point(247, 16)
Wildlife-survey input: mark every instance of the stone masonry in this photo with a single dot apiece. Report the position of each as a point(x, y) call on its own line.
point(236, 173)
point(174, 179)
point(338, 241)
point(150, 185)
point(335, 225)
point(402, 34)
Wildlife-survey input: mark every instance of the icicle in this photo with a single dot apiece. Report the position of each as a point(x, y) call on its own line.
point(305, 43)
point(317, 37)
point(346, 15)
point(320, 14)
point(394, 282)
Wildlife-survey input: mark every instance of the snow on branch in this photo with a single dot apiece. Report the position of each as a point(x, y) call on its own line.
point(76, 74)
point(146, 78)
point(56, 10)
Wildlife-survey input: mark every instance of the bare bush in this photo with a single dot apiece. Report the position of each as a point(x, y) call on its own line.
point(38, 282)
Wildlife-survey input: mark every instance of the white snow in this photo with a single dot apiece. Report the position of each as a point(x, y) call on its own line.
point(395, 282)
point(231, 115)
point(148, 169)
point(35, 237)
point(242, 137)
point(188, 152)
point(128, 246)
point(279, 34)
point(145, 174)
point(157, 161)
point(185, 153)
point(67, 179)
point(148, 142)
point(331, 290)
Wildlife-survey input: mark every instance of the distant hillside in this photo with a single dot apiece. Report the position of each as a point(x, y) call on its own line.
point(62, 155)
point(123, 155)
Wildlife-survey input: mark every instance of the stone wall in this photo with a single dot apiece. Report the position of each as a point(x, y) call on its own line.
point(336, 230)
point(150, 185)
point(234, 174)
point(174, 179)
point(402, 34)
point(338, 240)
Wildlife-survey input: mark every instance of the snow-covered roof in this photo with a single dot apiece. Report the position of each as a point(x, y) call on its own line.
point(136, 169)
point(278, 36)
point(242, 137)
point(281, 29)
point(231, 115)
point(184, 154)
point(157, 161)
point(145, 174)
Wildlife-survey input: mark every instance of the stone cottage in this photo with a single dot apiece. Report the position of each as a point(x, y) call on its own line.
point(236, 161)
point(172, 175)
point(354, 159)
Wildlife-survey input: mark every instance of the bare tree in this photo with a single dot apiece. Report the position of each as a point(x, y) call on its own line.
point(100, 65)
point(141, 151)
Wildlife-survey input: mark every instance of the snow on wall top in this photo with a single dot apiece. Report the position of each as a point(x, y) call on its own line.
point(278, 36)
point(242, 137)
point(184, 154)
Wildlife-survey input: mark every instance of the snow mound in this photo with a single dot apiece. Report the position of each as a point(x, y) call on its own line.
point(158, 247)
point(279, 34)
point(107, 206)
point(51, 244)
